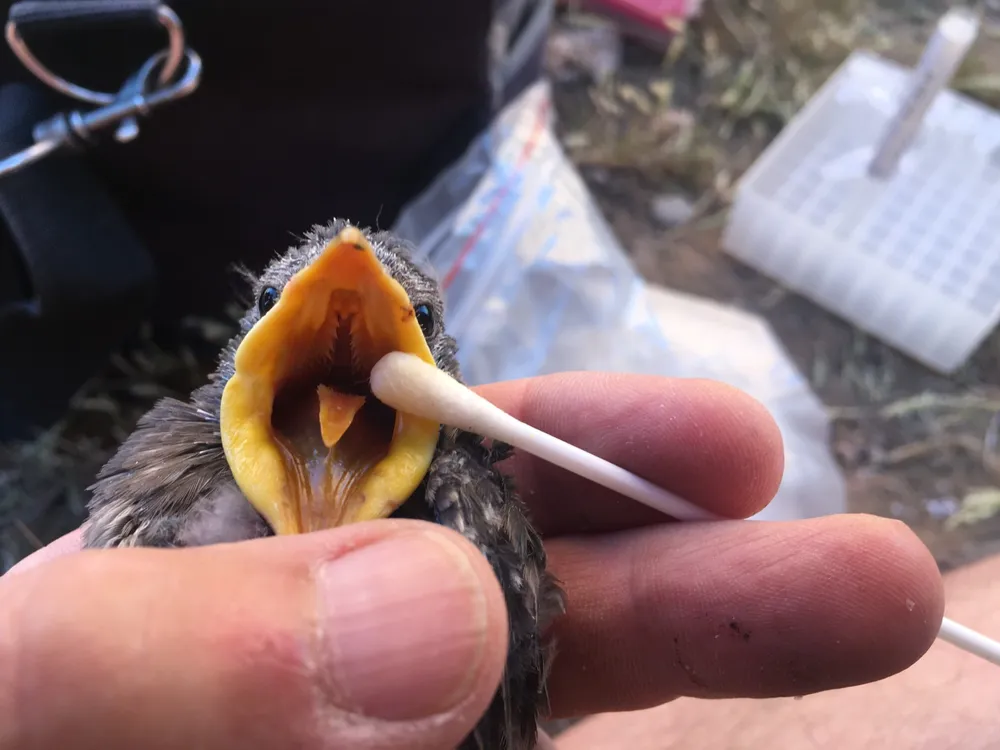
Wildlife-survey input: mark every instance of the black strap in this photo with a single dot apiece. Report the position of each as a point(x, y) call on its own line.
point(75, 244)
point(77, 14)
point(83, 276)
point(93, 43)
point(80, 278)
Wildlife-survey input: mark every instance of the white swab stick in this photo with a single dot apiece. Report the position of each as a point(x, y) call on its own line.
point(969, 640)
point(409, 384)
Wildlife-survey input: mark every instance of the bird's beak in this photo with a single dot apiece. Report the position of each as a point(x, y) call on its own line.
point(307, 443)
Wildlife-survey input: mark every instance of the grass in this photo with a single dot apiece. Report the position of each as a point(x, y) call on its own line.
point(690, 120)
point(43, 481)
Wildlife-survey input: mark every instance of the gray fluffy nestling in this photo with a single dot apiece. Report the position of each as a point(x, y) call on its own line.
point(169, 485)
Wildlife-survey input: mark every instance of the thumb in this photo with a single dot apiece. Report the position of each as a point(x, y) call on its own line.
point(379, 635)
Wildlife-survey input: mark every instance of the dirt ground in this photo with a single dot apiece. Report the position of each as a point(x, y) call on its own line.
point(685, 121)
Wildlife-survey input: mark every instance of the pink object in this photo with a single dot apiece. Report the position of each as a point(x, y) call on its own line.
point(655, 13)
point(654, 20)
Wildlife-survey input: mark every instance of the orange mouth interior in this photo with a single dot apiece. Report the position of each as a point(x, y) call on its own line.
point(307, 443)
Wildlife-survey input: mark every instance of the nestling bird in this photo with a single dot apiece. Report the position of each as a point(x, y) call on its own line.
point(286, 438)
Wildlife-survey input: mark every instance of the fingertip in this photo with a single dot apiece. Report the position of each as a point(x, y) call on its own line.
point(748, 456)
point(254, 643)
point(64, 545)
point(899, 583)
point(740, 609)
point(864, 594)
point(332, 544)
point(412, 632)
point(708, 442)
point(412, 626)
point(704, 440)
point(401, 599)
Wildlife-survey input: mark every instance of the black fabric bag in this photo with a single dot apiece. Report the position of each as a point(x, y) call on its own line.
point(74, 277)
point(307, 109)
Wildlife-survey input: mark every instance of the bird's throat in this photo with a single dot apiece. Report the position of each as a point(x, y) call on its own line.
point(329, 441)
point(307, 443)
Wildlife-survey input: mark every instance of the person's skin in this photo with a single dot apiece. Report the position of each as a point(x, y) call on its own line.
point(392, 634)
point(946, 701)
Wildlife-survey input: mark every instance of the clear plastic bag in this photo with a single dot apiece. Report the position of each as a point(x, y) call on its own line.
point(535, 282)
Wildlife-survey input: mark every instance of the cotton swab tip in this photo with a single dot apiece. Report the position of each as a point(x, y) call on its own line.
point(407, 383)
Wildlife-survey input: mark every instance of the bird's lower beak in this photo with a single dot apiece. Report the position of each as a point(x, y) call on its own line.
point(307, 443)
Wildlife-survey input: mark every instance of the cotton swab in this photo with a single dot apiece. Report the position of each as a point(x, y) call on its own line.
point(409, 384)
point(969, 640)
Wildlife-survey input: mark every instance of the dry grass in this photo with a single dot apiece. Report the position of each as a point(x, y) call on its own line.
point(736, 75)
point(43, 481)
point(912, 444)
point(726, 85)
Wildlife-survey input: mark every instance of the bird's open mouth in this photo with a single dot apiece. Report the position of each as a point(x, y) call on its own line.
point(307, 443)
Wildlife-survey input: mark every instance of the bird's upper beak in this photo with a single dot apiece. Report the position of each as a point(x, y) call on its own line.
point(307, 443)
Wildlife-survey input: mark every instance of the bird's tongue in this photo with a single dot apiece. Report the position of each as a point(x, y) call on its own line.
point(331, 440)
point(336, 413)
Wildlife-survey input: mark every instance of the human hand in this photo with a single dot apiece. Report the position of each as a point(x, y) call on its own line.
point(392, 634)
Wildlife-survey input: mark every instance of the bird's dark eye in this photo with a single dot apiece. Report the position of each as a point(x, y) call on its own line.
point(425, 318)
point(267, 300)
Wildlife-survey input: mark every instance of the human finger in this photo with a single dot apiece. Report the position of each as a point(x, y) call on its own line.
point(946, 700)
point(712, 444)
point(741, 608)
point(70, 542)
point(379, 635)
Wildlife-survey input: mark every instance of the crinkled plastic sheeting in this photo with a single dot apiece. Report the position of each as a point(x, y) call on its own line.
point(535, 282)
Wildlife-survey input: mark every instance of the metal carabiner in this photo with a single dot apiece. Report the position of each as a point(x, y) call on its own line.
point(175, 36)
point(136, 98)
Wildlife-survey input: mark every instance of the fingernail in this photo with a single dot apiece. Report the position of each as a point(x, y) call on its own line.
point(404, 626)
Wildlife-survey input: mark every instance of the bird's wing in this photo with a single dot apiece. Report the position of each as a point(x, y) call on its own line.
point(469, 494)
point(169, 483)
